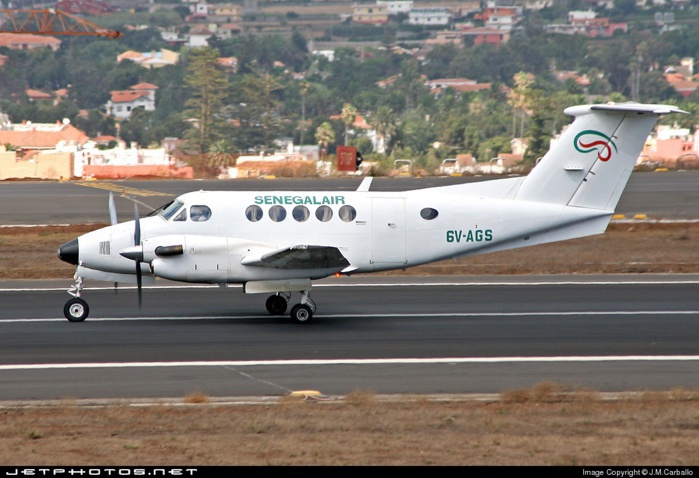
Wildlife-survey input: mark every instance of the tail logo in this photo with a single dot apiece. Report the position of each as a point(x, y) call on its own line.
point(585, 142)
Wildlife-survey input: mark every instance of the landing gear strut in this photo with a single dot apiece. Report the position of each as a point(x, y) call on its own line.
point(76, 309)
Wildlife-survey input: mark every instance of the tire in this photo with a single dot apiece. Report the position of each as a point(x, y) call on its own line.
point(276, 305)
point(76, 310)
point(301, 313)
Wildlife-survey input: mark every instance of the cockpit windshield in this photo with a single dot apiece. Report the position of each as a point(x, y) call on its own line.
point(169, 210)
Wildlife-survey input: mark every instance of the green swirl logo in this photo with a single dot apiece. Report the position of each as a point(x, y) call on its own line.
point(587, 141)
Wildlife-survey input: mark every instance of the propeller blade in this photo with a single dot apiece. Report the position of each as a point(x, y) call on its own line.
point(137, 228)
point(136, 242)
point(139, 283)
point(112, 209)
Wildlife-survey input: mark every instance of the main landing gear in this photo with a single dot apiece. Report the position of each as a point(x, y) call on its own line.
point(76, 309)
point(300, 313)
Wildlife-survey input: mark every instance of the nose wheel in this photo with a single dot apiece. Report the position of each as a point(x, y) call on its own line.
point(76, 310)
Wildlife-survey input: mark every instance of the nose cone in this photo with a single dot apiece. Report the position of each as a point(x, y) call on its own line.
point(69, 252)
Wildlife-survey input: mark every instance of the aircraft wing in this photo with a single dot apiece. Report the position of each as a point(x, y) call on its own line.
point(300, 257)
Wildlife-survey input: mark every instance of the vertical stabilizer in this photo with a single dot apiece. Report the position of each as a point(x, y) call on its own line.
point(591, 162)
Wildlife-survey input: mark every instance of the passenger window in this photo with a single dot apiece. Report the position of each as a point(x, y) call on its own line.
point(199, 213)
point(429, 213)
point(277, 213)
point(348, 213)
point(324, 213)
point(253, 213)
point(300, 213)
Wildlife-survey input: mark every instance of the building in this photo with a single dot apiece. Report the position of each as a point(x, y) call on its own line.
point(27, 136)
point(586, 23)
point(123, 102)
point(85, 7)
point(225, 12)
point(396, 7)
point(372, 14)
point(198, 36)
point(152, 59)
point(24, 41)
point(462, 85)
point(439, 16)
point(481, 35)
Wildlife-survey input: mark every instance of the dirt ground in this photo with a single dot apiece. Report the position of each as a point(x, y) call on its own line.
point(542, 426)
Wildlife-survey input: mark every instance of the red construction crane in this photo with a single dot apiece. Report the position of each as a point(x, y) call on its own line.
point(50, 22)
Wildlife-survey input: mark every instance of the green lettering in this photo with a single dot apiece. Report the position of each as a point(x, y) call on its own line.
point(469, 237)
point(268, 200)
point(287, 199)
point(340, 199)
point(450, 236)
point(479, 235)
point(488, 235)
point(298, 200)
point(259, 200)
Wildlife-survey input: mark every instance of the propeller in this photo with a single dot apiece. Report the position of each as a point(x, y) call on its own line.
point(113, 220)
point(112, 209)
point(136, 242)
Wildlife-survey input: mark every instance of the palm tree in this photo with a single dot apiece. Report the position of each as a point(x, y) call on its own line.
point(384, 123)
point(220, 155)
point(348, 115)
point(325, 134)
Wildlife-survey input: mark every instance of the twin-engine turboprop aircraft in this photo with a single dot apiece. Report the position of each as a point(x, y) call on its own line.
point(279, 242)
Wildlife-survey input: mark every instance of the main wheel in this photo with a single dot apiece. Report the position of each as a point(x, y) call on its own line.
point(301, 313)
point(276, 304)
point(76, 310)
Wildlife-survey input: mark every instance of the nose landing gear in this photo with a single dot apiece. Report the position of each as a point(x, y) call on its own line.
point(76, 309)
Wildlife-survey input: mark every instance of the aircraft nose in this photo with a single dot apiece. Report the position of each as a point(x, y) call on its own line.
point(69, 252)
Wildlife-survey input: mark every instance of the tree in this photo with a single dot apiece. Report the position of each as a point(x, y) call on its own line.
point(220, 155)
point(208, 83)
point(520, 101)
point(384, 123)
point(324, 136)
point(538, 136)
point(348, 115)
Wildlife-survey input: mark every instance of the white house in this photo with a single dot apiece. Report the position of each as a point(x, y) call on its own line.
point(123, 102)
point(396, 7)
point(430, 16)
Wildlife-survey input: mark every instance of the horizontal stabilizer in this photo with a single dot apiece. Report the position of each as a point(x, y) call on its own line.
point(300, 257)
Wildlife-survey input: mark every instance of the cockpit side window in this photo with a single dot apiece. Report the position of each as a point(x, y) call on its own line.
point(199, 213)
point(182, 216)
point(170, 210)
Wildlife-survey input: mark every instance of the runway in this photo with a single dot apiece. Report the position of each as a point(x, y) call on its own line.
point(389, 335)
point(385, 334)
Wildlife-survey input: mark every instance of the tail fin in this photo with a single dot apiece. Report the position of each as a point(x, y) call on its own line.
point(592, 161)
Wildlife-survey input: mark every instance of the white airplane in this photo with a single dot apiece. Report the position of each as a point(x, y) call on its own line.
point(279, 242)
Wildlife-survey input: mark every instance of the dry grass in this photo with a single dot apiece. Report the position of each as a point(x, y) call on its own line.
point(542, 426)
